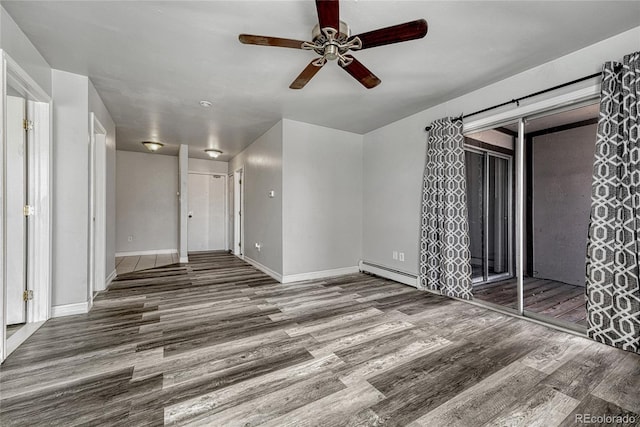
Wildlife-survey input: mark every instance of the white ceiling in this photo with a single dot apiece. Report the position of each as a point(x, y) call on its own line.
point(152, 62)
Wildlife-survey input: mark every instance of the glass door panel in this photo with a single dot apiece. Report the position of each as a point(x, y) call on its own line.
point(559, 165)
point(499, 205)
point(475, 207)
point(490, 213)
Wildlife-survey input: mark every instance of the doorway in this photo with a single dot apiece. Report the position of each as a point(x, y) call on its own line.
point(238, 207)
point(97, 207)
point(25, 207)
point(230, 212)
point(17, 211)
point(548, 215)
point(207, 227)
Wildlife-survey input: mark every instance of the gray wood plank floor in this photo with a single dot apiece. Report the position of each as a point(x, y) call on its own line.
point(218, 343)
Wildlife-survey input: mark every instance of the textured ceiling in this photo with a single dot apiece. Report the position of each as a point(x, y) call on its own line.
point(152, 62)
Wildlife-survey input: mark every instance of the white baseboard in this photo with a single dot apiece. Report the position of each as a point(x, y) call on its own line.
point(69, 309)
point(319, 274)
point(264, 269)
point(110, 278)
point(151, 252)
point(183, 260)
point(390, 273)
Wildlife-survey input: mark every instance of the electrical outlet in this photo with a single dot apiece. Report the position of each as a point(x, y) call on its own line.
point(401, 256)
point(130, 239)
point(258, 246)
point(395, 254)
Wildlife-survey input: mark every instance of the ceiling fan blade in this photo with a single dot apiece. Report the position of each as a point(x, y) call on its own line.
point(394, 34)
point(306, 75)
point(361, 73)
point(328, 13)
point(270, 41)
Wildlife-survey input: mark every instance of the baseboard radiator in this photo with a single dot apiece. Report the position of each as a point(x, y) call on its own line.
point(389, 273)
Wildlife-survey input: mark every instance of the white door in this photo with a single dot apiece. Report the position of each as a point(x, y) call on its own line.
point(207, 212)
point(16, 233)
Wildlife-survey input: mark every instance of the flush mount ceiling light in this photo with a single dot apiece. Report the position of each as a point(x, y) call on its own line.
point(206, 104)
point(152, 146)
point(213, 153)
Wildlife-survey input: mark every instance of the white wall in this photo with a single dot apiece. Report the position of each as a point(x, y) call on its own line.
point(322, 198)
point(209, 166)
point(71, 187)
point(20, 49)
point(394, 154)
point(262, 162)
point(97, 106)
point(146, 202)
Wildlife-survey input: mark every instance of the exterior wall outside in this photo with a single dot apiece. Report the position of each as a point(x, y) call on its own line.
point(562, 203)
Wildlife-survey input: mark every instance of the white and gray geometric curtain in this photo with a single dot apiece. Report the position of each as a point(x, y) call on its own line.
point(613, 265)
point(444, 242)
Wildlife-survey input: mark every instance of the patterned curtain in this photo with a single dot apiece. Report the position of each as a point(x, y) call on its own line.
point(613, 292)
point(444, 242)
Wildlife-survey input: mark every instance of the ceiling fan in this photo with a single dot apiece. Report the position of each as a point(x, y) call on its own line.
point(332, 40)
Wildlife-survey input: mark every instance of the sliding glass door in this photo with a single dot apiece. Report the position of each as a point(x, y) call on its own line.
point(528, 196)
point(489, 198)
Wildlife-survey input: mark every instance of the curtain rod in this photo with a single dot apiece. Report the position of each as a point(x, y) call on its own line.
point(517, 100)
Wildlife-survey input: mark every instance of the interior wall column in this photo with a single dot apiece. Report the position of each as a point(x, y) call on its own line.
point(183, 173)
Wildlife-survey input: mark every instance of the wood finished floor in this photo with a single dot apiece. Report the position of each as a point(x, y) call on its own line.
point(548, 297)
point(218, 343)
point(127, 264)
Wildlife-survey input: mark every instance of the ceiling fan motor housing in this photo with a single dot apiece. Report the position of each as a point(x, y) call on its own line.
point(332, 44)
point(344, 32)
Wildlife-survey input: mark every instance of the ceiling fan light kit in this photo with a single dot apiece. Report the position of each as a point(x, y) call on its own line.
point(332, 40)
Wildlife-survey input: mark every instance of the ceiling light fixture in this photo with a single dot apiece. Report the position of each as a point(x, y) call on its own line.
point(206, 104)
point(213, 153)
point(153, 146)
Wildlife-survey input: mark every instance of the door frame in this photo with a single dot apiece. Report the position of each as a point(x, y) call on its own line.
point(520, 114)
point(238, 212)
point(39, 194)
point(226, 203)
point(230, 212)
point(97, 207)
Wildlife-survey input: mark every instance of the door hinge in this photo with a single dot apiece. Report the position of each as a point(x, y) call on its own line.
point(27, 295)
point(27, 124)
point(28, 210)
